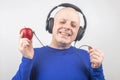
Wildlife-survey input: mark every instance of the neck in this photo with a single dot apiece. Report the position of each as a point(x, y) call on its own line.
point(59, 45)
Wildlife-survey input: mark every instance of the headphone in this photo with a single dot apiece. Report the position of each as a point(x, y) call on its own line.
point(50, 20)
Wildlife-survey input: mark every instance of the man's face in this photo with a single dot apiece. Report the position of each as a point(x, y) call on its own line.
point(66, 25)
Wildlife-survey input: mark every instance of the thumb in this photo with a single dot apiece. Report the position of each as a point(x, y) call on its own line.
point(21, 35)
point(89, 47)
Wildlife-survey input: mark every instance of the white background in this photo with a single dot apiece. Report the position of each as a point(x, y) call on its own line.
point(102, 32)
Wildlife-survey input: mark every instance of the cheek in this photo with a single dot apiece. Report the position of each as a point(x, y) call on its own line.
point(75, 32)
point(55, 27)
point(54, 30)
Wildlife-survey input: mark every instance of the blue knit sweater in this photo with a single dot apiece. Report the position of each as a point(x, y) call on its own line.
point(56, 64)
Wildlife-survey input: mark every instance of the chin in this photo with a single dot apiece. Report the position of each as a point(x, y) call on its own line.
point(65, 42)
point(64, 45)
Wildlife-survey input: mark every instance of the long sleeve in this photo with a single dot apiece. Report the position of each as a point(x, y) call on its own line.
point(97, 74)
point(24, 70)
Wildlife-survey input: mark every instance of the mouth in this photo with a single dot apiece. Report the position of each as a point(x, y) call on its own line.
point(65, 34)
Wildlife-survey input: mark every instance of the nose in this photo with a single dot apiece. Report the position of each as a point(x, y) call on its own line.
point(67, 26)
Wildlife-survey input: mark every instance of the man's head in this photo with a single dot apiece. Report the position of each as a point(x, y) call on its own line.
point(70, 13)
point(66, 26)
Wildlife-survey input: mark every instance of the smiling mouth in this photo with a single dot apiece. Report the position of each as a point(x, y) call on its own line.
point(64, 33)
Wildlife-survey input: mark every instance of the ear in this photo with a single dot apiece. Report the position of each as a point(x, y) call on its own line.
point(49, 25)
point(80, 34)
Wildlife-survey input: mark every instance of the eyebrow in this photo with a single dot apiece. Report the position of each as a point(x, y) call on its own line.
point(66, 19)
point(74, 22)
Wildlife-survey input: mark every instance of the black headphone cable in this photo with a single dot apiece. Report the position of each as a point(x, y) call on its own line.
point(38, 38)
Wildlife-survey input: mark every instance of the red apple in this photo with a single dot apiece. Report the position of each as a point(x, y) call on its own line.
point(27, 33)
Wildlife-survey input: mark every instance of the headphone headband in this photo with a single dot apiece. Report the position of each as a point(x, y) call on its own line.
point(71, 5)
point(66, 5)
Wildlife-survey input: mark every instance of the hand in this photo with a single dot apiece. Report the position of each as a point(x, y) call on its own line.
point(26, 47)
point(96, 57)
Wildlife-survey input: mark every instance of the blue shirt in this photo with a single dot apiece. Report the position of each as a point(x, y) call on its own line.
point(58, 64)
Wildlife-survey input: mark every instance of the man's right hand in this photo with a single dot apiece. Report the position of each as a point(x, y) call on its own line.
point(26, 47)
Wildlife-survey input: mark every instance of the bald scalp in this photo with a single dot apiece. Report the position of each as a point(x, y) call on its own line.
point(69, 13)
point(66, 8)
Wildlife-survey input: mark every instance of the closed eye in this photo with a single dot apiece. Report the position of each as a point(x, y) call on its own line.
point(62, 22)
point(73, 25)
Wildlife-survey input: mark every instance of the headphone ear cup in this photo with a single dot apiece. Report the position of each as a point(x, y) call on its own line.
point(49, 25)
point(80, 34)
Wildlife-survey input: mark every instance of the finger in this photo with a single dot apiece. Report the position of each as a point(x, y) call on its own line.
point(99, 58)
point(93, 65)
point(94, 56)
point(21, 35)
point(96, 52)
point(24, 42)
point(91, 50)
point(89, 47)
point(100, 53)
point(94, 60)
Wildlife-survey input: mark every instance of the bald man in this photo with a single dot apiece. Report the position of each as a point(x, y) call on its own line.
point(60, 60)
